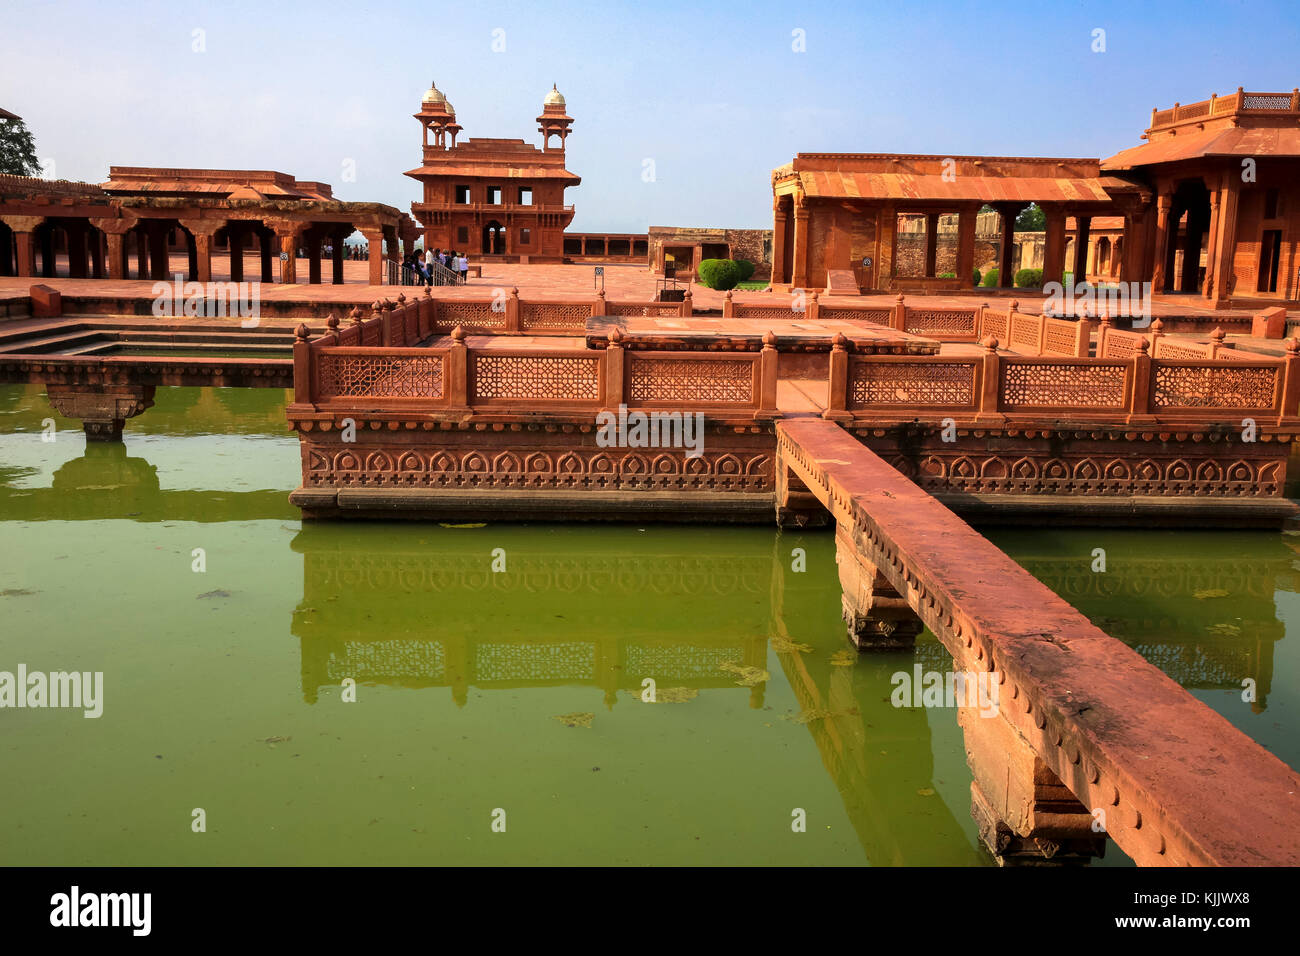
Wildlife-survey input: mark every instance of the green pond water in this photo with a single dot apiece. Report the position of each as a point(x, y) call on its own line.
point(223, 688)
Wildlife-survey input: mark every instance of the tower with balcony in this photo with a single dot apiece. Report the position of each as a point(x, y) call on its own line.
point(499, 200)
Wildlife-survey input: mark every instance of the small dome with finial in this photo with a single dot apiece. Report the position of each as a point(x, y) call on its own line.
point(446, 104)
point(433, 96)
point(553, 98)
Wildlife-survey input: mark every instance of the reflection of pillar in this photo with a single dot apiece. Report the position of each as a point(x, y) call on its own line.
point(1024, 813)
point(878, 617)
point(457, 658)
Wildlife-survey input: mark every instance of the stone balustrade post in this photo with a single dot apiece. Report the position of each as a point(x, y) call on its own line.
point(514, 321)
point(688, 305)
point(814, 307)
point(1083, 337)
point(899, 318)
point(728, 306)
point(304, 387)
point(458, 371)
point(1291, 382)
point(1157, 333)
point(837, 386)
point(990, 380)
point(1139, 403)
point(614, 367)
point(768, 373)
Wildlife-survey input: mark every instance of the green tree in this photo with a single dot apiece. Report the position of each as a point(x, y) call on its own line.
point(1031, 219)
point(17, 150)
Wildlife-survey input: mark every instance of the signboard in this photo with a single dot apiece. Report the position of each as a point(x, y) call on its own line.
point(600, 270)
point(284, 257)
point(866, 262)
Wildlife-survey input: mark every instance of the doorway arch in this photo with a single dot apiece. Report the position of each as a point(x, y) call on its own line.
point(494, 239)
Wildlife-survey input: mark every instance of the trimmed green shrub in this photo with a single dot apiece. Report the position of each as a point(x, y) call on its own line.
point(990, 279)
point(1029, 278)
point(746, 269)
point(976, 280)
point(946, 275)
point(719, 274)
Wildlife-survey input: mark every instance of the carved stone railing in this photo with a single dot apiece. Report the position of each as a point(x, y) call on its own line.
point(1030, 334)
point(1217, 106)
point(997, 388)
point(371, 359)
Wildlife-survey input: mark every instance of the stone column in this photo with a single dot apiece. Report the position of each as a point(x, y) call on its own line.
point(202, 231)
point(886, 226)
point(312, 240)
point(966, 219)
point(1007, 251)
point(375, 239)
point(266, 251)
point(23, 227)
point(235, 233)
point(336, 240)
point(159, 264)
point(1025, 814)
point(114, 231)
point(289, 234)
point(931, 242)
point(141, 252)
point(878, 617)
point(780, 219)
point(97, 254)
point(1159, 278)
point(1082, 235)
point(76, 235)
point(49, 266)
point(1228, 203)
point(1212, 249)
point(1192, 250)
point(103, 409)
point(1054, 247)
point(800, 277)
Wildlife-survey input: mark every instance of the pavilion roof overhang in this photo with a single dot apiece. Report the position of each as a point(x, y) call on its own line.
point(498, 172)
point(906, 187)
point(1230, 143)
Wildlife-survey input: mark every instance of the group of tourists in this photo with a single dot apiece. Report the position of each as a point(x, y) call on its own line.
point(419, 269)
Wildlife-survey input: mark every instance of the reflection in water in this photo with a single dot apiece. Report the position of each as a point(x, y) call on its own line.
point(582, 615)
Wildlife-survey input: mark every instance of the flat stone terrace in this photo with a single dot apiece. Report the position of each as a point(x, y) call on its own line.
point(631, 282)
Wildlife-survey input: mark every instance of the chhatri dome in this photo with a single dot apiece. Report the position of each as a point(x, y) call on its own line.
point(553, 98)
point(434, 96)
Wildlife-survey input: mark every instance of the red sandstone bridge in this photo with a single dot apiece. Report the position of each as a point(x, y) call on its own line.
point(877, 420)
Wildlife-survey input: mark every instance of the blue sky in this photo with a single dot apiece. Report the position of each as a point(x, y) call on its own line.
point(714, 93)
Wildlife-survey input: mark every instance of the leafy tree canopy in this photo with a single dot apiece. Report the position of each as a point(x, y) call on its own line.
point(17, 150)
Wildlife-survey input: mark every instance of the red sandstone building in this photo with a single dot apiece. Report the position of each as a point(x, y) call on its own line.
point(1207, 210)
point(499, 200)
